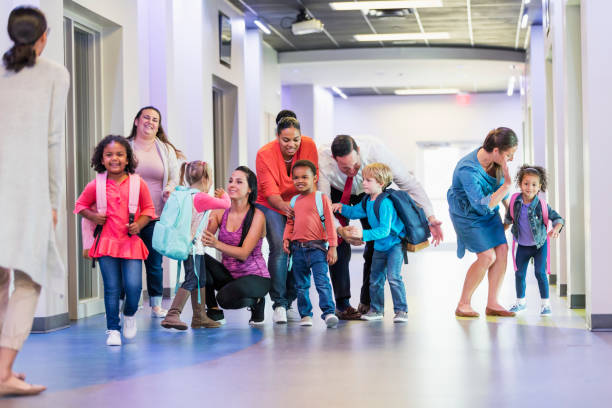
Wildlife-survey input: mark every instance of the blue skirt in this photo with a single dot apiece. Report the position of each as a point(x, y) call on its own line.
point(477, 234)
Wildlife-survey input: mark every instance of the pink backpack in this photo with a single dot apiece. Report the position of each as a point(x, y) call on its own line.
point(544, 219)
point(90, 231)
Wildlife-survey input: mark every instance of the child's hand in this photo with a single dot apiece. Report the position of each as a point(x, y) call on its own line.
point(332, 255)
point(219, 192)
point(353, 233)
point(98, 218)
point(133, 228)
point(554, 233)
point(337, 207)
point(209, 240)
point(506, 226)
point(166, 195)
point(286, 244)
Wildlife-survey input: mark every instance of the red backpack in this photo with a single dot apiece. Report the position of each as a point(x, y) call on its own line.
point(544, 219)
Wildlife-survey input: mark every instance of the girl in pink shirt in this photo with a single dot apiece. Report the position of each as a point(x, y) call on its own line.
point(118, 248)
point(198, 176)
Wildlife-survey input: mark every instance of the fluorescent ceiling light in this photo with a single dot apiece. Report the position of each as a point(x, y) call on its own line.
point(262, 27)
point(511, 82)
point(402, 36)
point(527, 1)
point(524, 20)
point(427, 91)
point(380, 5)
point(338, 92)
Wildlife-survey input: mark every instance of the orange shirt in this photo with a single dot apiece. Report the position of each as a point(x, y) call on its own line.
point(306, 225)
point(272, 177)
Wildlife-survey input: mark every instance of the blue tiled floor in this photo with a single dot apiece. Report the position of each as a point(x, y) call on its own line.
point(434, 360)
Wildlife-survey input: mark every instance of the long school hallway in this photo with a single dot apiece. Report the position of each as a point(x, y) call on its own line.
point(434, 360)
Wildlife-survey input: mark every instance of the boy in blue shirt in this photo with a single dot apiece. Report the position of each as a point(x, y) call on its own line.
point(386, 231)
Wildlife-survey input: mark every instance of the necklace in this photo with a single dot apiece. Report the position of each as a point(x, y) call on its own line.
point(288, 161)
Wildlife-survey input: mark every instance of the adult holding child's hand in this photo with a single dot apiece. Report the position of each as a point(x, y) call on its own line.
point(480, 182)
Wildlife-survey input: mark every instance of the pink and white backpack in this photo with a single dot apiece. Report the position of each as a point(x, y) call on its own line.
point(90, 231)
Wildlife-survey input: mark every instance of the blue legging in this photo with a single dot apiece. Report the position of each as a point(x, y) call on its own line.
point(523, 255)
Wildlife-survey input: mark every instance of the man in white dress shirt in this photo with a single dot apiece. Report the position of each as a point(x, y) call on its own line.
point(340, 176)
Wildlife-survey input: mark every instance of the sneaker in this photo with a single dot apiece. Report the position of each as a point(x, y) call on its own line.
point(160, 313)
point(306, 321)
point(400, 317)
point(129, 327)
point(331, 321)
point(217, 315)
point(113, 338)
point(293, 315)
point(280, 315)
point(372, 315)
point(545, 311)
point(517, 307)
point(257, 313)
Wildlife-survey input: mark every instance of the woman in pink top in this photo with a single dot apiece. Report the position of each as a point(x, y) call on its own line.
point(118, 248)
point(241, 278)
point(158, 166)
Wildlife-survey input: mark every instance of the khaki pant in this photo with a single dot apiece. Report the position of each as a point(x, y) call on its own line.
point(16, 311)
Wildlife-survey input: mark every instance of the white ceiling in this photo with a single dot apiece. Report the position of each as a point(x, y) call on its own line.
point(466, 74)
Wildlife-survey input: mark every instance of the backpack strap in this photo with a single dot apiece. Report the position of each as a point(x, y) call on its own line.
point(319, 202)
point(101, 193)
point(293, 200)
point(133, 196)
point(511, 209)
point(545, 220)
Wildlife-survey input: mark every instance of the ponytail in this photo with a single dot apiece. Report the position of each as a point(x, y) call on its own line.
point(182, 174)
point(25, 26)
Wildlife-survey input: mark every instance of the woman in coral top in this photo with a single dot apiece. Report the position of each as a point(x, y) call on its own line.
point(275, 189)
point(118, 247)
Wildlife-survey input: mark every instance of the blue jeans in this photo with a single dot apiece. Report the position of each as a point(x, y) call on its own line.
point(153, 265)
point(283, 291)
point(387, 264)
point(118, 274)
point(191, 282)
point(305, 260)
point(523, 255)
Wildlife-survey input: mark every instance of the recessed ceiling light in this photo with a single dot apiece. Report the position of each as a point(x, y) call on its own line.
point(262, 27)
point(381, 5)
point(524, 20)
point(402, 36)
point(427, 91)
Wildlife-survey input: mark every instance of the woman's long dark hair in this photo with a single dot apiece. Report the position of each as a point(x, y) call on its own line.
point(502, 138)
point(25, 26)
point(161, 135)
point(248, 218)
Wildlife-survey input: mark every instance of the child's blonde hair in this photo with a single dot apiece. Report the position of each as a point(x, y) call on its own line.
point(194, 171)
point(379, 172)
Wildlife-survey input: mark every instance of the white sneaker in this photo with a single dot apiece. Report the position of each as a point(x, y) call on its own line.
point(113, 338)
point(280, 315)
point(331, 321)
point(161, 312)
point(400, 317)
point(129, 327)
point(306, 321)
point(293, 315)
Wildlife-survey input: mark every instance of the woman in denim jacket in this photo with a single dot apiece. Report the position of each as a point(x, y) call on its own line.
point(530, 232)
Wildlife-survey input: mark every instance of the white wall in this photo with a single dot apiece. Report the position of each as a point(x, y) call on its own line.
point(402, 121)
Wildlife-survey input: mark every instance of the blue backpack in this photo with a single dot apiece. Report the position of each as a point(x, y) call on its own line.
point(411, 215)
point(172, 233)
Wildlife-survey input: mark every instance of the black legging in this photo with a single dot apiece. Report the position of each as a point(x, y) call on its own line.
point(233, 293)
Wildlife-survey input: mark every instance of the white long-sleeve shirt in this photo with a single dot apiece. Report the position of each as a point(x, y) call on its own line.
point(370, 151)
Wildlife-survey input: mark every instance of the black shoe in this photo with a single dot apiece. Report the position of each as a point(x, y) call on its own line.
point(216, 315)
point(257, 313)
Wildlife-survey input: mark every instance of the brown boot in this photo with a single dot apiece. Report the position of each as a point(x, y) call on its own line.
point(173, 318)
point(200, 318)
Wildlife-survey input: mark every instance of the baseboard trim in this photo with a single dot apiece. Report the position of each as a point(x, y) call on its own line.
point(577, 301)
point(563, 290)
point(601, 322)
point(552, 279)
point(50, 323)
